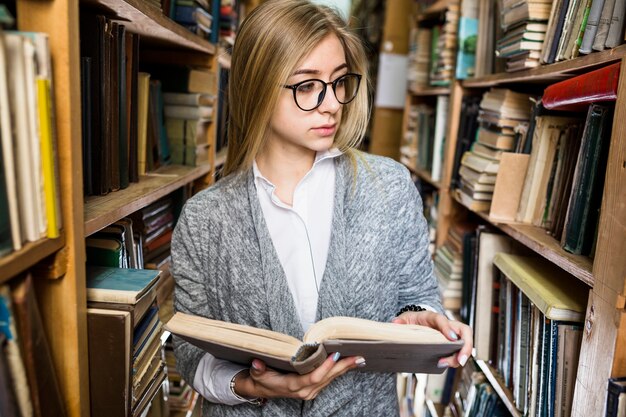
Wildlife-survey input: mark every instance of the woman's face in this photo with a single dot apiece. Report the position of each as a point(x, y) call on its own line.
point(297, 131)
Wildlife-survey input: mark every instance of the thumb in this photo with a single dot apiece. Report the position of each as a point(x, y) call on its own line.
point(258, 367)
point(398, 320)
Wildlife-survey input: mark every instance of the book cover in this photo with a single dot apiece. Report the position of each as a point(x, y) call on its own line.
point(583, 209)
point(109, 337)
point(45, 391)
point(577, 93)
point(119, 285)
point(8, 161)
point(386, 347)
point(552, 290)
point(8, 402)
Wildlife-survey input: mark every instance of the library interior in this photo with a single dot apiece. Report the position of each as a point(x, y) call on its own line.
point(503, 116)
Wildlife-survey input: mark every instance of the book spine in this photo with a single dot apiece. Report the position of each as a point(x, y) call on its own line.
point(47, 157)
point(592, 26)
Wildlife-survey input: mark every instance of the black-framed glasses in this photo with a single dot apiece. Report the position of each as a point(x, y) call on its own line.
point(309, 94)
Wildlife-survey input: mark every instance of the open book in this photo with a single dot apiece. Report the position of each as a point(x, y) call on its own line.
point(386, 347)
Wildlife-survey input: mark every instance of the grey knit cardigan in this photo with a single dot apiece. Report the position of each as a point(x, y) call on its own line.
point(226, 268)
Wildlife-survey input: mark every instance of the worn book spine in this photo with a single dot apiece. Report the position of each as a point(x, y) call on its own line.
point(603, 25)
point(615, 35)
point(576, 93)
point(592, 26)
point(45, 392)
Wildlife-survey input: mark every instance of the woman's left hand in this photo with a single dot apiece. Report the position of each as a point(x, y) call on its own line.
point(451, 329)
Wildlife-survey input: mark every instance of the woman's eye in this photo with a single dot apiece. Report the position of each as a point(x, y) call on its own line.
point(306, 87)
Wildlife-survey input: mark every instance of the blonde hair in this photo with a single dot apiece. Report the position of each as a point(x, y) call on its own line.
point(271, 41)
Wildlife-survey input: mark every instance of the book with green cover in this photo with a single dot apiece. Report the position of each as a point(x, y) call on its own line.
point(583, 209)
point(119, 285)
point(557, 294)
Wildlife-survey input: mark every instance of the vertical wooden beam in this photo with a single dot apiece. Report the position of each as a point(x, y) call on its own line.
point(387, 123)
point(447, 208)
point(63, 301)
point(599, 358)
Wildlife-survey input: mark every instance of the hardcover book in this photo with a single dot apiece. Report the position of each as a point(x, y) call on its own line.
point(386, 347)
point(119, 285)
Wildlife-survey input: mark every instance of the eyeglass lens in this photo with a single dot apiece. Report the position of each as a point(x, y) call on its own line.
point(310, 94)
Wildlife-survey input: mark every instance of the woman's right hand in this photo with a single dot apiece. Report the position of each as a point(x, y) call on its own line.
point(264, 382)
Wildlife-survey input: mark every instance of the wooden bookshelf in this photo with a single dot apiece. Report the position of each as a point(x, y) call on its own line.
point(553, 72)
point(434, 11)
point(154, 27)
point(536, 239)
point(499, 387)
point(424, 176)
point(103, 210)
point(430, 91)
point(30, 254)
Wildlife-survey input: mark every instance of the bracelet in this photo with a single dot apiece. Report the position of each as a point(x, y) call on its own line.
point(410, 307)
point(254, 401)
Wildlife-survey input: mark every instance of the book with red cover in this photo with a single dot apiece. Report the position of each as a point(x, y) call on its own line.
point(575, 94)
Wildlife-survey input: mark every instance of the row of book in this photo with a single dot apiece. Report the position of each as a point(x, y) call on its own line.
point(526, 315)
point(29, 188)
point(542, 32)
point(28, 381)
point(195, 15)
point(135, 121)
point(127, 371)
point(432, 51)
point(475, 395)
point(546, 157)
point(423, 143)
point(141, 240)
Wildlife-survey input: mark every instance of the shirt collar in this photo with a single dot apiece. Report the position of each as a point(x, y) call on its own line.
point(319, 157)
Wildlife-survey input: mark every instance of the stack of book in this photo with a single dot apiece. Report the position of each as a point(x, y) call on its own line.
point(419, 58)
point(444, 47)
point(195, 15)
point(501, 112)
point(29, 187)
point(229, 20)
point(117, 245)
point(187, 118)
point(126, 368)
point(524, 24)
point(449, 264)
point(181, 397)
point(155, 224)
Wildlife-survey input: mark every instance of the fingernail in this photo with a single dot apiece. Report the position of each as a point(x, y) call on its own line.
point(336, 356)
point(463, 360)
point(453, 335)
point(255, 365)
point(360, 362)
point(442, 364)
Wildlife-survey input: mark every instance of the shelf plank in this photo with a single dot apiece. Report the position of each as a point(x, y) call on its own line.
point(101, 211)
point(498, 386)
point(30, 254)
point(536, 239)
point(430, 91)
point(154, 27)
point(551, 72)
point(424, 176)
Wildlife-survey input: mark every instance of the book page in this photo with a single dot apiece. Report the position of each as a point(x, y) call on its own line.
point(350, 328)
point(235, 335)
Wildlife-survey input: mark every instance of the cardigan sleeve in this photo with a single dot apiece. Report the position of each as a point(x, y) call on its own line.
point(188, 264)
point(417, 283)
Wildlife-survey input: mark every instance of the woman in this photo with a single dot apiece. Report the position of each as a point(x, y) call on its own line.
point(302, 226)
